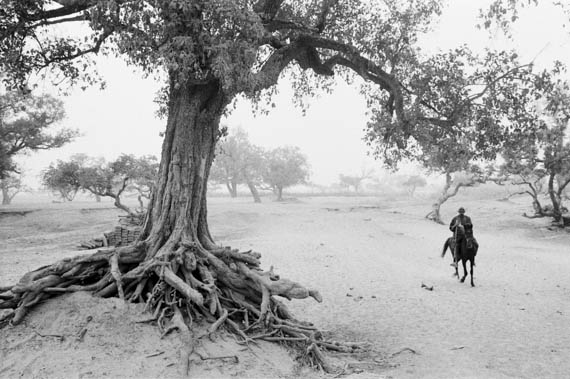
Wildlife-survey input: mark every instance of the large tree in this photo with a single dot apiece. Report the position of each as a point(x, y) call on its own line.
point(25, 123)
point(211, 52)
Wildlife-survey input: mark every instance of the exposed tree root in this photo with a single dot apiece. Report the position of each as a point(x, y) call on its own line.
point(222, 286)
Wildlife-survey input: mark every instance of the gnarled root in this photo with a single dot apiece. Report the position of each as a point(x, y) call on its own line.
point(221, 286)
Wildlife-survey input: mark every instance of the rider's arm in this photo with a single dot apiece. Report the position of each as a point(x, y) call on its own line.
point(453, 224)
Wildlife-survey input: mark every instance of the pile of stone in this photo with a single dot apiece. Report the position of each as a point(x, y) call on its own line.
point(122, 235)
point(125, 233)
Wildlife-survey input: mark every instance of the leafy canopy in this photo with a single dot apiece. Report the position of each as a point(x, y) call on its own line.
point(25, 121)
point(286, 166)
point(468, 109)
point(545, 153)
point(100, 178)
point(245, 46)
point(237, 160)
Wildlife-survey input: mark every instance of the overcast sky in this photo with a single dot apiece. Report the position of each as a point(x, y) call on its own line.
point(121, 119)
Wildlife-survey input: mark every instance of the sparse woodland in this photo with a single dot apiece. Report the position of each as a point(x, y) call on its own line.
point(211, 52)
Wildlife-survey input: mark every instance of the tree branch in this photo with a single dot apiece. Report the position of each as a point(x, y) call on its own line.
point(68, 8)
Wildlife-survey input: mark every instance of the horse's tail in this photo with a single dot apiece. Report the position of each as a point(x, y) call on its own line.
point(445, 246)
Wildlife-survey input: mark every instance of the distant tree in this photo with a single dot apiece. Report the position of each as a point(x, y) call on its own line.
point(254, 163)
point(237, 161)
point(116, 177)
point(225, 165)
point(24, 124)
point(286, 166)
point(105, 181)
point(143, 173)
point(544, 155)
point(455, 162)
point(101, 178)
point(63, 178)
point(413, 182)
point(354, 181)
point(11, 185)
point(456, 180)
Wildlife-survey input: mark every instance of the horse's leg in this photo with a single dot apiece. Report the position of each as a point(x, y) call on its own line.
point(455, 257)
point(464, 270)
point(472, 264)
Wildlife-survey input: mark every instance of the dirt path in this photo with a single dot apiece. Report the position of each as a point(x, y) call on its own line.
point(369, 264)
point(369, 259)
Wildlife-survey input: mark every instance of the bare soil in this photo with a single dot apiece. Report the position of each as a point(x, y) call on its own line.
point(367, 256)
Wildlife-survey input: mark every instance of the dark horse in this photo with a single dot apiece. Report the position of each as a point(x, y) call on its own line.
point(466, 251)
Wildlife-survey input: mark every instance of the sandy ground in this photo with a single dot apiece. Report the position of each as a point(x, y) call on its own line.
point(368, 257)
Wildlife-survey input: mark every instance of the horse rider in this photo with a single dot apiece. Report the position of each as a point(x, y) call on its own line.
point(462, 228)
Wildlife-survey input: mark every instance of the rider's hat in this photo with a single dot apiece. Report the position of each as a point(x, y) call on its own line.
point(461, 210)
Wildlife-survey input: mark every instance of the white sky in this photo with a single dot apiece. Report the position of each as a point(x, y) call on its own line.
point(121, 118)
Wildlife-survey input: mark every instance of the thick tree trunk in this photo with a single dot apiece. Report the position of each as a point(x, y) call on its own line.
point(279, 193)
point(253, 191)
point(177, 210)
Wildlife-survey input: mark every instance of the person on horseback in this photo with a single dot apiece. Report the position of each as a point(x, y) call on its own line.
point(462, 229)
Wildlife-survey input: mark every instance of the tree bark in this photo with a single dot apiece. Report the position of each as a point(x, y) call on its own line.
point(279, 193)
point(177, 210)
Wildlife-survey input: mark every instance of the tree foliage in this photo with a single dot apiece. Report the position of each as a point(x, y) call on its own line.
point(210, 52)
point(543, 157)
point(100, 178)
point(63, 178)
point(10, 186)
point(25, 121)
point(238, 161)
point(466, 107)
point(143, 172)
point(286, 166)
point(503, 13)
point(479, 105)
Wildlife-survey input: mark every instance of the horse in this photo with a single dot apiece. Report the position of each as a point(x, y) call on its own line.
point(465, 252)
